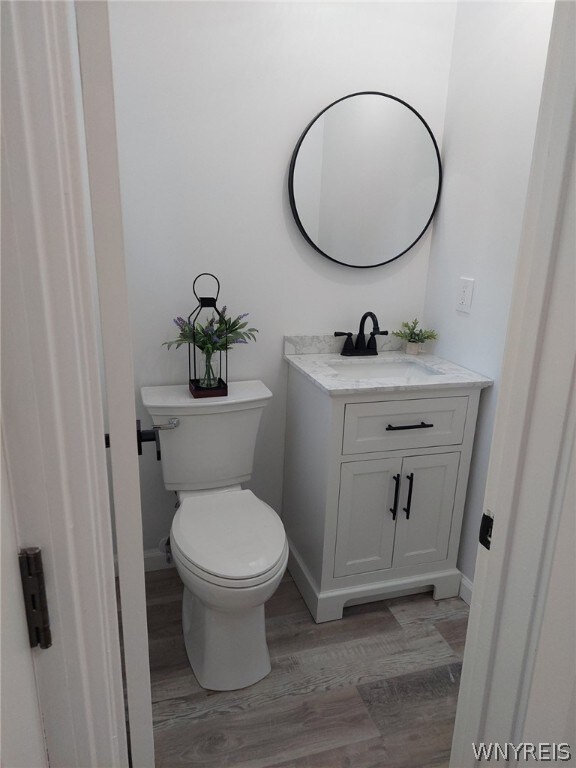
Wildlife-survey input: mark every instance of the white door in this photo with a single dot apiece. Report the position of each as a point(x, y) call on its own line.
point(365, 538)
point(426, 506)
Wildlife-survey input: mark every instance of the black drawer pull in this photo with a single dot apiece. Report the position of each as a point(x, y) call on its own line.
point(422, 425)
point(394, 509)
point(406, 509)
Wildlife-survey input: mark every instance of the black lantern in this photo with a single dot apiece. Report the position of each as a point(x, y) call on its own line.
point(208, 360)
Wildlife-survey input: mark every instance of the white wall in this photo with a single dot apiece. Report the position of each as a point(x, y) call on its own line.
point(493, 98)
point(211, 98)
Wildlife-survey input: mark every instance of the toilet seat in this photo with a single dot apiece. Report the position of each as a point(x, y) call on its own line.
point(184, 563)
point(231, 539)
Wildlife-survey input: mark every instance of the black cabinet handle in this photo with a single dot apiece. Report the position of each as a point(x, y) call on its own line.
point(422, 425)
point(409, 501)
point(394, 509)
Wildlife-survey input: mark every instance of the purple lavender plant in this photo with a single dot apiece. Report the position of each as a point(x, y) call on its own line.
point(216, 335)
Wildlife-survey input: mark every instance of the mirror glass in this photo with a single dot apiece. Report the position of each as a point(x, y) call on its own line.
point(365, 179)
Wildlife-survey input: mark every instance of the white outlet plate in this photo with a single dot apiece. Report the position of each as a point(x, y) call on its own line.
point(465, 291)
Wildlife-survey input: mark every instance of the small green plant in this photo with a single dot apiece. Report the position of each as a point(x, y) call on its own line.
point(410, 332)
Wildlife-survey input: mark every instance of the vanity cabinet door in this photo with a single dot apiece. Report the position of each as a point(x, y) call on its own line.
point(365, 533)
point(425, 516)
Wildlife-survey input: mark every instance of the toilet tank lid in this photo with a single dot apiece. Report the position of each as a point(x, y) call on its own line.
point(176, 398)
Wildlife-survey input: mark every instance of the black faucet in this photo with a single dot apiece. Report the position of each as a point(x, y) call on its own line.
point(351, 349)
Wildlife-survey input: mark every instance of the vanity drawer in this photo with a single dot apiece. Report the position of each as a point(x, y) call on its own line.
point(397, 424)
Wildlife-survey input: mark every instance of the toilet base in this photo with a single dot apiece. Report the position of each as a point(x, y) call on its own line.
point(226, 650)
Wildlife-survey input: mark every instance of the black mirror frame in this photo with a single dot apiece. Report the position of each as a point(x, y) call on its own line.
point(293, 165)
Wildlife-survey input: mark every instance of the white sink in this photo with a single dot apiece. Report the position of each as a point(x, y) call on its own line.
point(411, 371)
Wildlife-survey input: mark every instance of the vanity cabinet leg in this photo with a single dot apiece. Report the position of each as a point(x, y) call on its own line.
point(447, 586)
point(328, 609)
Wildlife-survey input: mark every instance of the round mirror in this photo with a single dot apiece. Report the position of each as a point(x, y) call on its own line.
point(365, 179)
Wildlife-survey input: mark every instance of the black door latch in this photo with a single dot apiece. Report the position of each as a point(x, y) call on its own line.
point(142, 436)
point(486, 530)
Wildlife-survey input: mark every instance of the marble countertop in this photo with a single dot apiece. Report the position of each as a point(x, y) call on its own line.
point(424, 372)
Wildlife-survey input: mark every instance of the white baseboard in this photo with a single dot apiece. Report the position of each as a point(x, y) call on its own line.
point(466, 589)
point(154, 560)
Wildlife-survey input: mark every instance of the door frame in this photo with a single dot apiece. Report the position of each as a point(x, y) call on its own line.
point(529, 470)
point(95, 59)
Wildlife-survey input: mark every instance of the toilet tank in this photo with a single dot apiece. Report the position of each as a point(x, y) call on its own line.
point(213, 444)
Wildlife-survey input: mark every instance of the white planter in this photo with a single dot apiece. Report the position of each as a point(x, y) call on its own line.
point(412, 348)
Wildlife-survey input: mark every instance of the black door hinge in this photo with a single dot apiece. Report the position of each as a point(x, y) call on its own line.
point(32, 574)
point(486, 530)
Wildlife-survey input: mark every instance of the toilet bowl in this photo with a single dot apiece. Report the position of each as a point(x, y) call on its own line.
point(230, 551)
point(229, 547)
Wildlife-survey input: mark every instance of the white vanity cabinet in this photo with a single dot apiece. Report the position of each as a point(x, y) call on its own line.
point(374, 490)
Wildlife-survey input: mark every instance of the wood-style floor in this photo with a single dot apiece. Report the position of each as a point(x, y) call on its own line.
point(377, 689)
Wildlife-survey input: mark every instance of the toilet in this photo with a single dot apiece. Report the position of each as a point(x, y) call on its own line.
point(229, 547)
